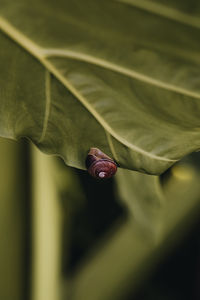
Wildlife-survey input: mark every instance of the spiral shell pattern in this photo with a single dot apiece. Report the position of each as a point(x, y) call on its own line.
point(102, 169)
point(99, 165)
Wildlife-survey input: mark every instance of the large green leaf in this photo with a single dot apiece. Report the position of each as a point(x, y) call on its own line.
point(119, 75)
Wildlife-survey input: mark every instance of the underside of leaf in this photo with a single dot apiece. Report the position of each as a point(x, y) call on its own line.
point(122, 76)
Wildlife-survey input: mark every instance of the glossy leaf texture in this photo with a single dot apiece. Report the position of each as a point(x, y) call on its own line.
point(123, 76)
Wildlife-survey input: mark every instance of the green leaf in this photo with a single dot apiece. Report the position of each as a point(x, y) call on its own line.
point(144, 197)
point(119, 75)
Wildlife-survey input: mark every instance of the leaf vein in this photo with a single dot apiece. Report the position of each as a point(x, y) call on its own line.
point(47, 104)
point(112, 148)
point(164, 11)
point(119, 69)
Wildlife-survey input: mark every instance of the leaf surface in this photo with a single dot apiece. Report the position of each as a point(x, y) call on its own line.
point(122, 76)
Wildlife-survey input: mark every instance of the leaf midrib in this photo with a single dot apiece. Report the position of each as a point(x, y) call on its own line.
point(37, 52)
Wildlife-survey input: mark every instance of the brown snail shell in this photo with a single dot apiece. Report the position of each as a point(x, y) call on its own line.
point(99, 165)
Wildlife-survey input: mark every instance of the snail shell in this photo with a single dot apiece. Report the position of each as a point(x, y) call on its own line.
point(99, 165)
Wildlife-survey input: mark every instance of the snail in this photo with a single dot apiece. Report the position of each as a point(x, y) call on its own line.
point(99, 165)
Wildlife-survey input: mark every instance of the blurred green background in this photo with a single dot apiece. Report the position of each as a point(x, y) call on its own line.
point(65, 235)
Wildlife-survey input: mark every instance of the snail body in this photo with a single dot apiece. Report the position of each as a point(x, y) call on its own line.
point(100, 165)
